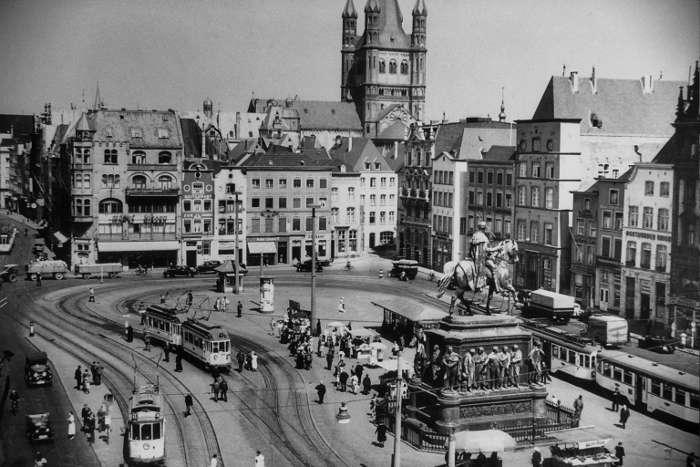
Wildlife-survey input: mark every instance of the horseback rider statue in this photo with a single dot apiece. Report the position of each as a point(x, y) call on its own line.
point(481, 253)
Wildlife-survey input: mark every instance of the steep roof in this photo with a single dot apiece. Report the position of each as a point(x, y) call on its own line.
point(620, 104)
point(499, 153)
point(145, 125)
point(192, 141)
point(396, 131)
point(314, 115)
point(291, 161)
point(22, 126)
point(363, 150)
point(391, 33)
point(469, 138)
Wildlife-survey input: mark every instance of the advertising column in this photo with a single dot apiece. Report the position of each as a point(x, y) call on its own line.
point(267, 294)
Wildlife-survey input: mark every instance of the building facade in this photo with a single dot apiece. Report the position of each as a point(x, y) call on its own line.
point(230, 195)
point(583, 249)
point(646, 237)
point(384, 66)
point(197, 208)
point(449, 186)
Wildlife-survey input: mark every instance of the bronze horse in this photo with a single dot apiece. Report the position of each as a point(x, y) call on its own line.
point(466, 275)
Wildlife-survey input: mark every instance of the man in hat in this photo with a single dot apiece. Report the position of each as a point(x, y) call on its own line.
point(504, 365)
point(493, 368)
point(450, 361)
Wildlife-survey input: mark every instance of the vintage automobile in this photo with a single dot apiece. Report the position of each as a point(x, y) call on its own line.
point(657, 344)
point(209, 267)
point(409, 266)
point(306, 266)
point(9, 273)
point(37, 371)
point(39, 427)
point(180, 270)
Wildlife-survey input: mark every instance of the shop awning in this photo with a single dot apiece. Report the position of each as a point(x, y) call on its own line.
point(256, 248)
point(484, 440)
point(106, 247)
point(411, 310)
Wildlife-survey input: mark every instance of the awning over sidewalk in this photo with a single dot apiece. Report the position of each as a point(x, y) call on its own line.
point(411, 310)
point(484, 440)
point(256, 248)
point(60, 237)
point(106, 247)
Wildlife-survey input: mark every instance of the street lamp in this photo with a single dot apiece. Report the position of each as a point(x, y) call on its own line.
point(312, 318)
point(235, 240)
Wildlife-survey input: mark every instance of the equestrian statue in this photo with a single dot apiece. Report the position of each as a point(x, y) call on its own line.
point(486, 266)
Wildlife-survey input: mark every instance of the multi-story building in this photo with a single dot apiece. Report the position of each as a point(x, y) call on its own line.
point(19, 140)
point(363, 198)
point(125, 187)
point(229, 187)
point(683, 151)
point(197, 208)
point(581, 129)
point(646, 237)
point(449, 187)
point(282, 188)
point(384, 68)
point(597, 225)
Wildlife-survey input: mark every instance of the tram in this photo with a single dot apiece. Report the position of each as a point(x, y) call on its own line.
point(163, 324)
point(565, 352)
point(650, 386)
point(145, 431)
point(208, 343)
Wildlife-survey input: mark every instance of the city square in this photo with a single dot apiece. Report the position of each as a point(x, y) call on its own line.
point(436, 267)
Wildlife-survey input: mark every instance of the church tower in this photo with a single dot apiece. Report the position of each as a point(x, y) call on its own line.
point(384, 68)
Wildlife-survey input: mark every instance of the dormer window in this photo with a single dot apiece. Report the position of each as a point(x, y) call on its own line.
point(596, 121)
point(163, 133)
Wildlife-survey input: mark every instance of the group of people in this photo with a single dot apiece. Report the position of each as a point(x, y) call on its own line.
point(247, 360)
point(619, 403)
point(353, 380)
point(91, 422)
point(85, 377)
point(219, 388)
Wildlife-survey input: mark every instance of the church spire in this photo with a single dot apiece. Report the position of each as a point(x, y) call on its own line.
point(98, 104)
point(349, 11)
point(420, 8)
point(502, 114)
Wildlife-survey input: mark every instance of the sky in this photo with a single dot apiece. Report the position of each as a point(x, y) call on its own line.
point(173, 53)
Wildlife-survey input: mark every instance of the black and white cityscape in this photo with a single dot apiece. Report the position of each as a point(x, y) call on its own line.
point(349, 233)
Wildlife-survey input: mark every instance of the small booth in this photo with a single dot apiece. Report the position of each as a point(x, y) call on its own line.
point(580, 447)
point(226, 280)
point(267, 294)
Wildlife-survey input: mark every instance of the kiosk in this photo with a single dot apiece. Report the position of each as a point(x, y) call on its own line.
point(267, 294)
point(226, 281)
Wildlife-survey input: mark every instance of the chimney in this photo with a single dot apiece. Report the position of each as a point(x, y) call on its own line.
point(647, 84)
point(573, 77)
point(594, 82)
point(349, 143)
point(563, 70)
point(638, 152)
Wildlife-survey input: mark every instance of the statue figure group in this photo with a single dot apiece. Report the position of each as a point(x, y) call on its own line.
point(477, 370)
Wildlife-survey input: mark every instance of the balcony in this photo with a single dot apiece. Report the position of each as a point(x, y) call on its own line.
point(607, 261)
point(153, 189)
point(152, 167)
point(630, 263)
point(80, 166)
point(88, 219)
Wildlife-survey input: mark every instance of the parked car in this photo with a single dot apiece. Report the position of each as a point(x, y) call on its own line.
point(37, 371)
point(657, 344)
point(39, 427)
point(180, 270)
point(306, 266)
point(208, 267)
point(9, 273)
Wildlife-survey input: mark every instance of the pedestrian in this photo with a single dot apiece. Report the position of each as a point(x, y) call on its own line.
point(84, 413)
point(616, 399)
point(190, 298)
point(321, 391)
point(86, 381)
point(162, 297)
point(318, 327)
point(240, 356)
point(214, 462)
point(178, 359)
point(619, 453)
point(536, 458)
point(78, 375)
point(578, 408)
point(223, 390)
point(253, 361)
point(147, 341)
point(91, 292)
point(38, 280)
point(259, 459)
point(93, 370)
point(381, 434)
point(624, 415)
point(343, 378)
point(91, 427)
point(188, 404)
point(71, 425)
point(372, 407)
point(107, 426)
point(142, 313)
point(166, 352)
point(39, 460)
point(215, 389)
point(366, 384)
point(329, 358)
point(239, 309)
point(354, 384)
point(341, 305)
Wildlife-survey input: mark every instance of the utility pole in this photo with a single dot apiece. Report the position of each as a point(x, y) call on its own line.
point(397, 422)
point(235, 257)
point(313, 319)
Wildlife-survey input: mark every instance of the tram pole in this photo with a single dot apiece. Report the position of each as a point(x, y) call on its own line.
point(312, 318)
point(397, 420)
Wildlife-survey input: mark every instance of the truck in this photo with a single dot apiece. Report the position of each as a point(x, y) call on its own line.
point(608, 330)
point(545, 304)
point(105, 269)
point(54, 268)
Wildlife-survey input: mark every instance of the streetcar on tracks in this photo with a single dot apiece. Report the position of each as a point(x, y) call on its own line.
point(650, 387)
point(145, 430)
point(207, 343)
point(164, 325)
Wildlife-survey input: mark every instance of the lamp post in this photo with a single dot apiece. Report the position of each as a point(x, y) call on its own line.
point(235, 240)
point(397, 421)
point(313, 318)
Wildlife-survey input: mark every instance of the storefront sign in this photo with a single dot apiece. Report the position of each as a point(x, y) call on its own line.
point(649, 236)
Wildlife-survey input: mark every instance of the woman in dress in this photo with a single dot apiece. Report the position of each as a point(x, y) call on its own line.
point(71, 425)
point(253, 361)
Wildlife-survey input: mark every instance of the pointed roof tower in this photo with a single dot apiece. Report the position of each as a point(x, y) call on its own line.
point(98, 104)
point(420, 8)
point(389, 24)
point(83, 124)
point(371, 6)
point(349, 10)
point(502, 114)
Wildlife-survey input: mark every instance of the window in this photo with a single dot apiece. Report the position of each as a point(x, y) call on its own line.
point(282, 224)
point(297, 183)
point(296, 224)
point(649, 188)
point(499, 178)
point(382, 199)
point(536, 170)
point(296, 203)
point(499, 199)
point(322, 183)
point(534, 231)
point(309, 223)
point(607, 219)
point(269, 224)
point(309, 183)
point(269, 203)
point(489, 199)
point(648, 218)
point(664, 189)
point(471, 197)
point(645, 260)
point(509, 179)
point(373, 182)
point(382, 217)
point(618, 221)
point(614, 197)
point(605, 247)
point(631, 255)
point(255, 183)
point(372, 217)
point(110, 206)
point(282, 183)
point(679, 397)
point(163, 133)
point(187, 205)
point(617, 253)
point(350, 215)
point(509, 200)
point(404, 67)
point(633, 216)
point(382, 66)
point(521, 195)
point(255, 225)
point(536, 144)
point(661, 257)
point(667, 391)
point(138, 157)
point(662, 223)
point(81, 207)
point(656, 387)
point(489, 178)
point(230, 188)
point(392, 67)
point(382, 182)
point(480, 198)
point(471, 176)
point(548, 229)
point(627, 377)
point(535, 197)
point(351, 193)
point(108, 181)
point(521, 230)
point(587, 204)
point(255, 202)
point(268, 183)
point(165, 157)
point(549, 198)
point(506, 227)
point(136, 132)
point(282, 203)
point(480, 177)
point(549, 170)
point(138, 181)
point(110, 156)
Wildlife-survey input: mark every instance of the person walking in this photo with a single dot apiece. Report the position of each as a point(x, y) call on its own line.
point(188, 404)
point(536, 458)
point(253, 361)
point(624, 415)
point(107, 426)
point(14, 401)
point(366, 384)
point(240, 356)
point(215, 389)
point(616, 399)
point(343, 378)
point(259, 459)
point(178, 359)
point(86, 381)
point(223, 390)
point(214, 462)
point(329, 358)
point(620, 453)
point(166, 352)
point(78, 375)
point(381, 434)
point(91, 292)
point(578, 408)
point(321, 391)
point(71, 425)
point(84, 413)
point(38, 280)
point(239, 309)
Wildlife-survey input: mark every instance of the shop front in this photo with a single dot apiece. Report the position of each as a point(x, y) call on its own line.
point(139, 253)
